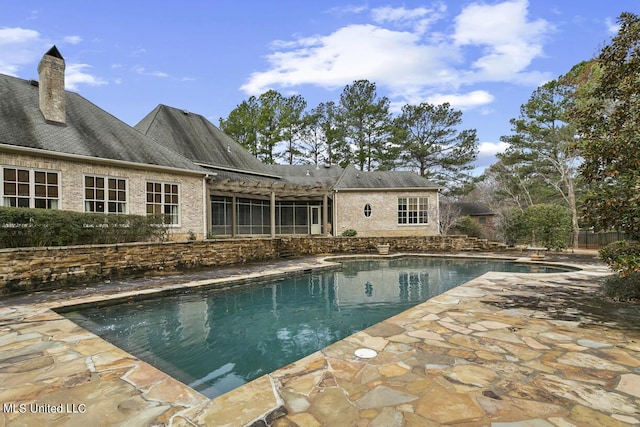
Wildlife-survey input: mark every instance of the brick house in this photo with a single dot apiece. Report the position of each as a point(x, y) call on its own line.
point(60, 151)
point(247, 197)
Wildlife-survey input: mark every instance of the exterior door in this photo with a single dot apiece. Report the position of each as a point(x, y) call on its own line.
point(316, 224)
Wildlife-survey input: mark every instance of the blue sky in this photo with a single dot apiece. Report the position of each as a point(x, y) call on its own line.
point(483, 57)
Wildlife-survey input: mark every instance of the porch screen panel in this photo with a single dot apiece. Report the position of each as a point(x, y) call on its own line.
point(302, 219)
point(221, 215)
point(284, 218)
point(253, 216)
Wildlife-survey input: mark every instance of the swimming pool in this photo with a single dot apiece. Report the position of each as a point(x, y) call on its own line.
point(217, 341)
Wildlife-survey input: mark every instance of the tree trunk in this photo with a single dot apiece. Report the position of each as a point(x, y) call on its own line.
point(571, 196)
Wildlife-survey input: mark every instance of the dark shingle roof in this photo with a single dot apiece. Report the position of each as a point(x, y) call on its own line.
point(355, 179)
point(309, 175)
point(196, 138)
point(472, 209)
point(89, 131)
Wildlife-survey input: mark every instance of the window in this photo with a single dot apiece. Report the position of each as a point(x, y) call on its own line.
point(26, 188)
point(413, 210)
point(367, 210)
point(163, 199)
point(108, 195)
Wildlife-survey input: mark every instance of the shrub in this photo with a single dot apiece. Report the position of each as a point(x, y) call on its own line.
point(623, 287)
point(547, 225)
point(467, 226)
point(349, 232)
point(24, 227)
point(623, 257)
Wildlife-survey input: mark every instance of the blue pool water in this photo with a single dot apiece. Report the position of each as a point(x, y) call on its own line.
point(217, 341)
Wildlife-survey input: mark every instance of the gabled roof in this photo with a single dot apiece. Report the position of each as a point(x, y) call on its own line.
point(196, 138)
point(89, 131)
point(381, 180)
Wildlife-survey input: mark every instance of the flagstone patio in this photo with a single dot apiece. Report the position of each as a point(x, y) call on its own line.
point(503, 350)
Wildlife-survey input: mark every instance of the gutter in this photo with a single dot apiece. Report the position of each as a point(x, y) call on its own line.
point(100, 160)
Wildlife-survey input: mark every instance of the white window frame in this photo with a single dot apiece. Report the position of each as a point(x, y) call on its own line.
point(33, 200)
point(162, 203)
point(91, 204)
point(415, 212)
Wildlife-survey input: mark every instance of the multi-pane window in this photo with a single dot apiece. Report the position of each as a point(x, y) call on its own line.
point(28, 188)
point(163, 199)
point(103, 194)
point(413, 210)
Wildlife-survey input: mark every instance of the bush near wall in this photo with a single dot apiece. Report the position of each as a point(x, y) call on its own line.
point(24, 227)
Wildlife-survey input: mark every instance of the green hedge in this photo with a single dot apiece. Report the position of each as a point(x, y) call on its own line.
point(23, 227)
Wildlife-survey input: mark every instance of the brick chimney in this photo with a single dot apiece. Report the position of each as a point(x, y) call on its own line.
point(51, 86)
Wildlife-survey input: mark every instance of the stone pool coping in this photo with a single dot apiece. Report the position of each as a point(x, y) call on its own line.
point(504, 349)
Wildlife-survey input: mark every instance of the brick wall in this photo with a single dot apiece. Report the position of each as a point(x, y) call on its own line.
point(383, 220)
point(27, 269)
point(72, 187)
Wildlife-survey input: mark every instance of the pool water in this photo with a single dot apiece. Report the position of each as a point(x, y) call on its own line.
point(217, 341)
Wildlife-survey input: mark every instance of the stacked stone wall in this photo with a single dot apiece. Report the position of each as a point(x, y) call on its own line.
point(28, 269)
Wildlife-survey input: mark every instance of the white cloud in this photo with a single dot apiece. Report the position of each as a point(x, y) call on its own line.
point(350, 53)
point(419, 19)
point(24, 47)
point(19, 47)
point(17, 36)
point(476, 98)
point(346, 10)
point(487, 155)
point(612, 26)
point(492, 148)
point(403, 51)
point(72, 39)
point(507, 39)
point(75, 75)
point(141, 70)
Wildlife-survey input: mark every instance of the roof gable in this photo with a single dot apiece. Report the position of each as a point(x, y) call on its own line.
point(89, 131)
point(196, 138)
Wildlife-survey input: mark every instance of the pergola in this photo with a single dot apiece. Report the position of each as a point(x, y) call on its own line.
point(273, 191)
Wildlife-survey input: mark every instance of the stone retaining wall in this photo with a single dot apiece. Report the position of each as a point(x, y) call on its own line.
point(27, 269)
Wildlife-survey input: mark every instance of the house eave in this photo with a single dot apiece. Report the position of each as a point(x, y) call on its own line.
point(98, 160)
point(228, 169)
point(396, 189)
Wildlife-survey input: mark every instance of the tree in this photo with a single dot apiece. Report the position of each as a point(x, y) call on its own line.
point(606, 110)
point(542, 146)
point(449, 213)
point(548, 225)
point(242, 125)
point(323, 136)
point(366, 119)
point(269, 124)
point(292, 124)
point(430, 141)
